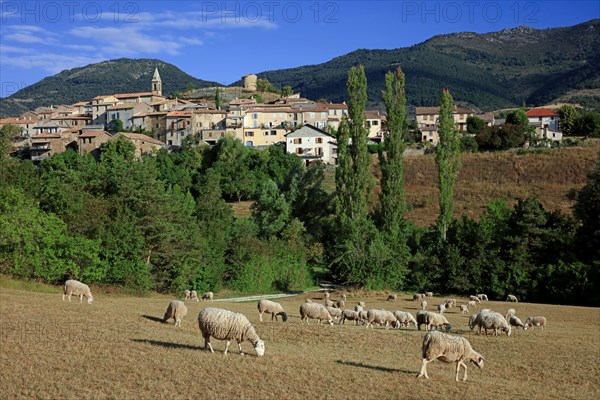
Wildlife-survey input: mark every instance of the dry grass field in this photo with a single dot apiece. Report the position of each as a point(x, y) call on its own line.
point(118, 348)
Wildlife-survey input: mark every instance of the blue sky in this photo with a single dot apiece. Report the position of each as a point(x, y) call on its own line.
point(221, 41)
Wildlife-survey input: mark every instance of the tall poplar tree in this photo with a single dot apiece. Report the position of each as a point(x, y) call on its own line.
point(447, 158)
point(391, 197)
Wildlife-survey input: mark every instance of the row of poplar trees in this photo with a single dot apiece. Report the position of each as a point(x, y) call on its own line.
point(371, 247)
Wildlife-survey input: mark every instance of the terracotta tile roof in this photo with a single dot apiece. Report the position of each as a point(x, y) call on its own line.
point(129, 95)
point(17, 121)
point(47, 136)
point(93, 134)
point(436, 110)
point(541, 112)
point(179, 114)
point(219, 112)
point(140, 136)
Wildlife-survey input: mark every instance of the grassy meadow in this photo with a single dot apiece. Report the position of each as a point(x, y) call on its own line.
point(119, 348)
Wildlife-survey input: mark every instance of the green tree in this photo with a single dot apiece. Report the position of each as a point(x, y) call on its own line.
point(475, 124)
point(588, 125)
point(286, 91)
point(518, 117)
point(270, 211)
point(218, 99)
point(391, 161)
point(117, 125)
point(568, 116)
point(7, 132)
point(447, 157)
point(587, 210)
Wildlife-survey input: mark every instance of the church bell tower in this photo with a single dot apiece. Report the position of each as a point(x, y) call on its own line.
point(156, 83)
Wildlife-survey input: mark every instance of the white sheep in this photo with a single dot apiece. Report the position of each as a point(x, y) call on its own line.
point(431, 320)
point(308, 301)
point(340, 303)
point(450, 303)
point(344, 297)
point(472, 304)
point(464, 308)
point(73, 287)
point(423, 305)
point(418, 296)
point(228, 325)
point(362, 304)
point(448, 349)
point(405, 318)
point(535, 321)
point(315, 311)
point(516, 322)
point(441, 308)
point(350, 316)
point(383, 317)
point(194, 295)
point(186, 294)
point(362, 316)
point(482, 297)
point(329, 303)
point(208, 296)
point(512, 298)
point(509, 313)
point(429, 295)
point(176, 310)
point(491, 320)
point(392, 297)
point(335, 312)
point(271, 307)
point(474, 298)
point(326, 295)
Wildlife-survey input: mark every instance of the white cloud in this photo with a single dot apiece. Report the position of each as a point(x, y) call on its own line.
point(190, 40)
point(28, 38)
point(49, 62)
point(13, 49)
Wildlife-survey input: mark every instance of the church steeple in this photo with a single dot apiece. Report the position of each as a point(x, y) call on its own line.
point(156, 83)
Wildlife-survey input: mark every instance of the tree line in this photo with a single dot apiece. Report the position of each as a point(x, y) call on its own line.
point(166, 223)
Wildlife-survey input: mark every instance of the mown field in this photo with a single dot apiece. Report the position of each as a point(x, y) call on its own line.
point(118, 348)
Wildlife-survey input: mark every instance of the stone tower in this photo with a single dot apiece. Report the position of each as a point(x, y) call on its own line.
point(156, 83)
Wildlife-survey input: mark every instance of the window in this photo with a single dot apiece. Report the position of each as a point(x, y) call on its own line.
point(299, 150)
point(265, 133)
point(375, 123)
point(273, 133)
point(298, 141)
point(249, 133)
point(312, 115)
point(323, 115)
point(319, 140)
point(319, 151)
point(254, 116)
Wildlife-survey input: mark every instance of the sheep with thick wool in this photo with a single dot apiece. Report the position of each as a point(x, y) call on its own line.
point(73, 287)
point(349, 315)
point(432, 320)
point(336, 313)
point(176, 310)
point(194, 296)
point(491, 320)
point(405, 318)
point(186, 294)
point(516, 322)
point(448, 349)
point(482, 297)
point(228, 325)
point(208, 296)
point(512, 298)
point(271, 307)
point(509, 313)
point(315, 311)
point(382, 317)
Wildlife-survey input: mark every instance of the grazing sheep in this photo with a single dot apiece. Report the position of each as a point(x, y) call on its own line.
point(176, 310)
point(340, 304)
point(482, 297)
point(315, 311)
point(271, 307)
point(429, 295)
point(464, 308)
point(335, 312)
point(516, 322)
point(194, 295)
point(448, 349)
point(417, 296)
point(392, 297)
point(450, 303)
point(472, 303)
point(228, 325)
point(509, 313)
point(512, 298)
point(431, 320)
point(362, 304)
point(358, 308)
point(344, 297)
point(441, 308)
point(423, 305)
point(383, 317)
point(186, 294)
point(405, 318)
point(73, 287)
point(535, 321)
point(208, 296)
point(491, 320)
point(474, 298)
point(362, 315)
point(308, 301)
point(326, 295)
point(329, 303)
point(350, 316)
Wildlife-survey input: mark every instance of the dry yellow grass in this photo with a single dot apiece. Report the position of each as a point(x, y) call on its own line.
point(117, 348)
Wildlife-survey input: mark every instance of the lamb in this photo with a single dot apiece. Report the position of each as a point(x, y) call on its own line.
point(450, 303)
point(208, 296)
point(509, 313)
point(315, 311)
point(340, 304)
point(186, 294)
point(392, 297)
point(350, 316)
point(228, 325)
point(405, 318)
point(474, 298)
point(441, 308)
point(448, 349)
point(176, 310)
point(271, 307)
point(194, 295)
point(429, 295)
point(417, 296)
point(335, 312)
point(362, 304)
point(516, 322)
point(472, 303)
point(383, 317)
point(464, 308)
point(482, 297)
point(491, 320)
point(512, 298)
point(535, 321)
point(423, 305)
point(73, 287)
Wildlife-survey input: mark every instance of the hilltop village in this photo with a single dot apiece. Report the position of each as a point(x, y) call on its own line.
point(152, 121)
